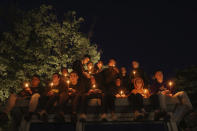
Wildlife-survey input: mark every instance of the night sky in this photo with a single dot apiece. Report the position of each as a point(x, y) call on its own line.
point(159, 34)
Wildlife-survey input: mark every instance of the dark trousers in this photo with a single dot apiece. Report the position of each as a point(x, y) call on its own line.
point(136, 101)
point(92, 96)
point(154, 99)
point(78, 101)
point(108, 102)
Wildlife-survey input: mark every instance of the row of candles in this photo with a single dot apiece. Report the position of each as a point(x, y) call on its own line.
point(121, 93)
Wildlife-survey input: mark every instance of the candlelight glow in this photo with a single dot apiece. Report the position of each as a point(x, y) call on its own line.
point(65, 74)
point(26, 85)
point(134, 72)
point(68, 81)
point(121, 92)
point(51, 84)
point(145, 91)
point(170, 83)
point(94, 86)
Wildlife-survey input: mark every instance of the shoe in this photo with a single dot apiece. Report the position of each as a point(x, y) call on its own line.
point(113, 117)
point(103, 117)
point(83, 117)
point(138, 115)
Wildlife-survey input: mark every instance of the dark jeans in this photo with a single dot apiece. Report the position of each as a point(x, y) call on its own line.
point(108, 102)
point(154, 99)
point(92, 96)
point(78, 101)
point(136, 101)
point(48, 102)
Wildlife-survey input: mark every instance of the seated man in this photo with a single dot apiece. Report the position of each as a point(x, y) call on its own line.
point(167, 91)
point(136, 71)
point(78, 90)
point(136, 96)
point(94, 92)
point(56, 94)
point(32, 91)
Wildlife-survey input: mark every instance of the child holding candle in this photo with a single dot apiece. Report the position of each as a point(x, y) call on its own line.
point(136, 98)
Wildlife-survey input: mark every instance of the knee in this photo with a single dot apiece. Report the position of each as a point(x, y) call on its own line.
point(35, 96)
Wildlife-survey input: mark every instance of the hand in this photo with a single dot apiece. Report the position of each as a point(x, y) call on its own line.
point(28, 90)
point(118, 96)
point(50, 93)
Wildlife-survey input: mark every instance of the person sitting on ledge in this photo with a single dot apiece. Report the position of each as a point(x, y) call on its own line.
point(136, 71)
point(78, 92)
point(109, 77)
point(32, 91)
point(124, 77)
point(56, 94)
point(98, 67)
point(135, 98)
point(167, 91)
point(94, 92)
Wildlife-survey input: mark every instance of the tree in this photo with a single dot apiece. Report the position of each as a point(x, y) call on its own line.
point(41, 44)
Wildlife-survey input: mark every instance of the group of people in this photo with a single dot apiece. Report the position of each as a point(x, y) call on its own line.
point(87, 81)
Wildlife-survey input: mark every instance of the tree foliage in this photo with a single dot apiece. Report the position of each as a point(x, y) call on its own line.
point(40, 43)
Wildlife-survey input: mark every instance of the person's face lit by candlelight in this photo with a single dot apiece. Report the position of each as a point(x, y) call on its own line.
point(74, 78)
point(35, 81)
point(86, 59)
point(135, 64)
point(159, 76)
point(112, 63)
point(64, 72)
point(100, 64)
point(55, 79)
point(118, 82)
point(90, 66)
point(123, 71)
point(139, 84)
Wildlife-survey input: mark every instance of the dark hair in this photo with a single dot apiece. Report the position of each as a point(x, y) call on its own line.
point(88, 56)
point(36, 75)
point(64, 68)
point(74, 72)
point(56, 74)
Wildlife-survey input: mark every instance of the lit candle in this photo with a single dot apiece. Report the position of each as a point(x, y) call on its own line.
point(65, 74)
point(134, 72)
point(170, 83)
point(121, 93)
point(94, 86)
point(26, 85)
point(51, 84)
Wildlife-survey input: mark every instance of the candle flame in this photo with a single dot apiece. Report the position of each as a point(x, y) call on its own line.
point(94, 86)
point(170, 83)
point(68, 81)
point(26, 85)
point(51, 84)
point(134, 72)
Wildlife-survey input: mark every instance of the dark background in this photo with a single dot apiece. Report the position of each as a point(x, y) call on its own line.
point(159, 34)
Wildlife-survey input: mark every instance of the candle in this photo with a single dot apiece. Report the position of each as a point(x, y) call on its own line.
point(94, 86)
point(170, 83)
point(51, 84)
point(26, 85)
point(121, 93)
point(134, 72)
point(65, 74)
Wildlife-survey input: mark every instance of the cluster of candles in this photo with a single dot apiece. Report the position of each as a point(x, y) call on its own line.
point(170, 83)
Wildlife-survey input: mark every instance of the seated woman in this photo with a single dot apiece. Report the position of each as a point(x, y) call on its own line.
point(136, 98)
point(167, 91)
